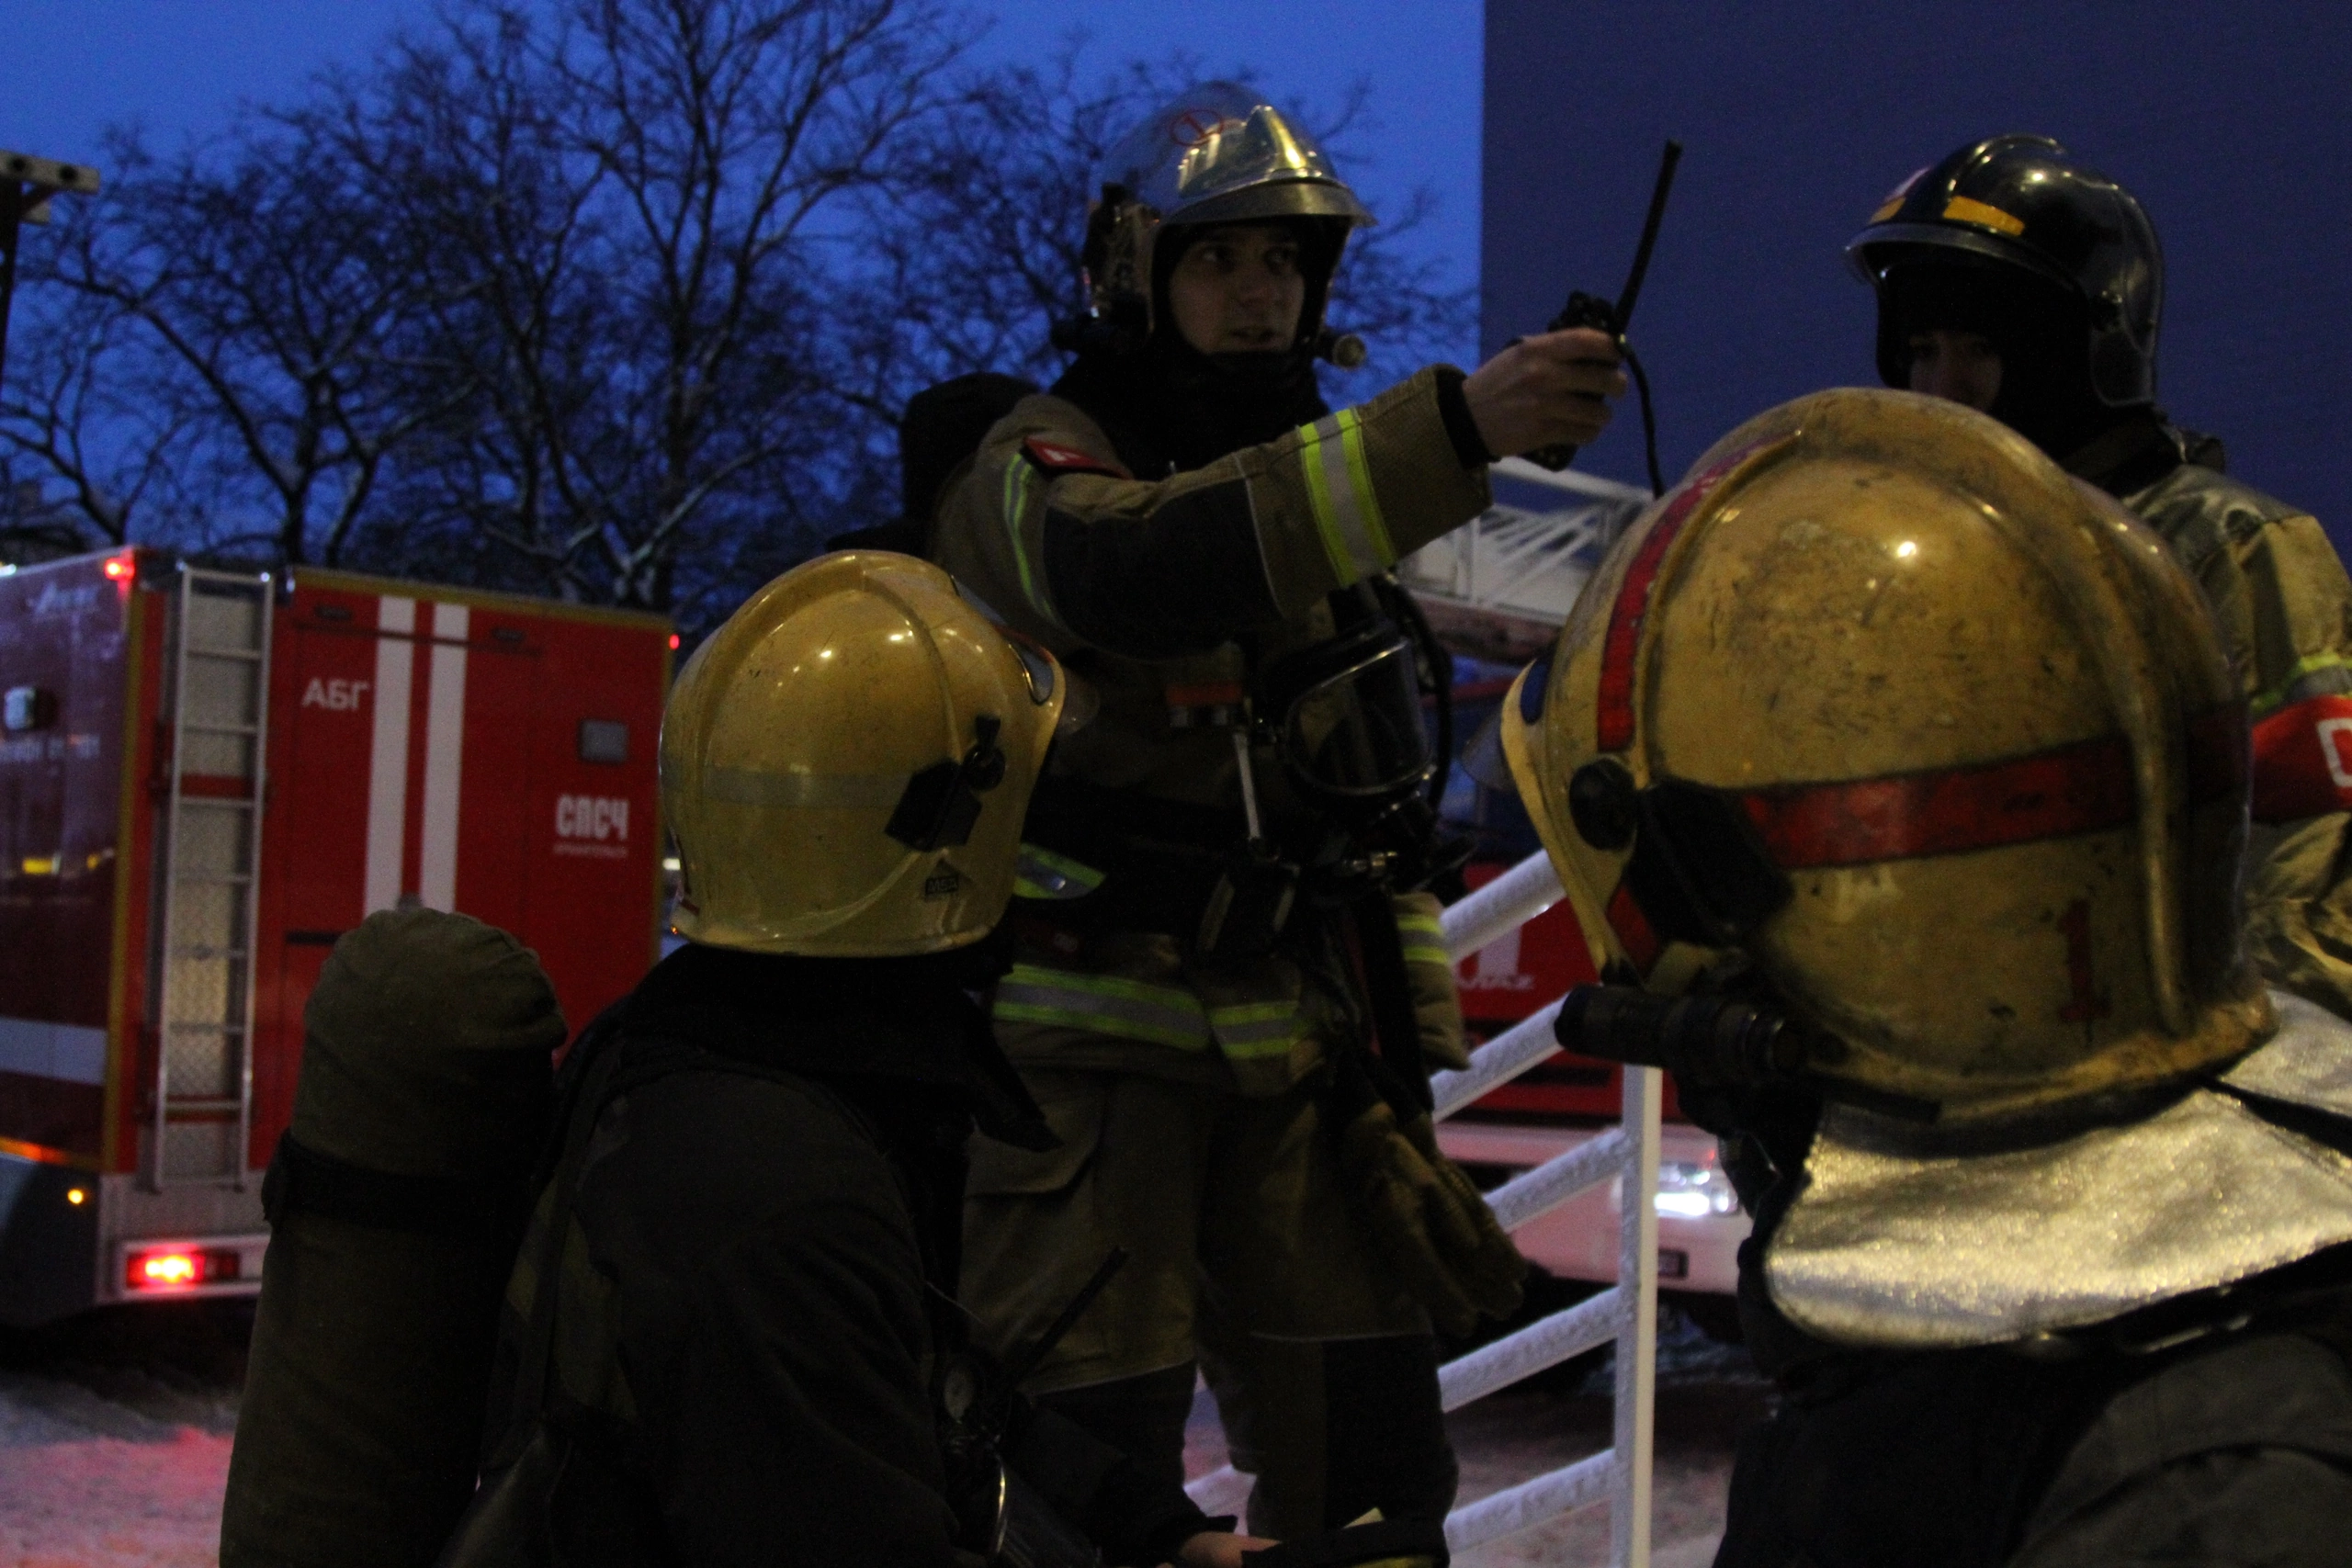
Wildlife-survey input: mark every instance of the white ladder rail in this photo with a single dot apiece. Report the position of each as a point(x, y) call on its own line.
point(1626, 1312)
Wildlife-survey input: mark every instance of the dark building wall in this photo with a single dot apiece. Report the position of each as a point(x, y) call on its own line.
point(2230, 122)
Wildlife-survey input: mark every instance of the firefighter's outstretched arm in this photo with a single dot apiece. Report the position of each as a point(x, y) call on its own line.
point(1058, 537)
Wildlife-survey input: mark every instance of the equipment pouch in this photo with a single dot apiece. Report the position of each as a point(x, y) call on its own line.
point(1030, 1534)
point(1249, 908)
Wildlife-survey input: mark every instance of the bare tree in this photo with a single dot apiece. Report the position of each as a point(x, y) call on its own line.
point(67, 413)
point(638, 211)
point(247, 296)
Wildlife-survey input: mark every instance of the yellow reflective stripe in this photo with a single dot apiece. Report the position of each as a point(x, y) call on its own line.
point(1967, 209)
point(1360, 480)
point(1041, 873)
point(1250, 1030)
point(1424, 939)
point(1016, 503)
point(1134, 1009)
point(1319, 494)
point(2275, 696)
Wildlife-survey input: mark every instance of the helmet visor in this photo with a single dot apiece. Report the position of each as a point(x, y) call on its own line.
point(1358, 731)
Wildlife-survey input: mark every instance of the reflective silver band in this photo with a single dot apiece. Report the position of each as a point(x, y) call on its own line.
point(821, 791)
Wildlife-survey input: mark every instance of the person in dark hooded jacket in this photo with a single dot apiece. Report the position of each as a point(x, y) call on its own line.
point(733, 1335)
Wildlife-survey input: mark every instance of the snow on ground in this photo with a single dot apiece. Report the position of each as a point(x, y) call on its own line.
point(114, 1437)
point(114, 1447)
point(91, 1481)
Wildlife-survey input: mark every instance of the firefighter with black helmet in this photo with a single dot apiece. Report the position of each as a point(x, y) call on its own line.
point(2014, 279)
point(733, 1334)
point(1899, 784)
point(1227, 893)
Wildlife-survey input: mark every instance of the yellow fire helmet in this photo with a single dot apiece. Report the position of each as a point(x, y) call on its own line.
point(1943, 742)
point(846, 763)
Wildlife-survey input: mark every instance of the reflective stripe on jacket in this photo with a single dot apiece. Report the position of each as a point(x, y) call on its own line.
point(1147, 586)
point(1048, 528)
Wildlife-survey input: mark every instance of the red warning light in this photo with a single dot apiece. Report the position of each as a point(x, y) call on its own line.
point(673, 642)
point(178, 1268)
point(122, 566)
point(165, 1269)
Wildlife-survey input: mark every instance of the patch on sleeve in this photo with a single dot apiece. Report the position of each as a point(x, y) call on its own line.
point(1055, 458)
point(2303, 761)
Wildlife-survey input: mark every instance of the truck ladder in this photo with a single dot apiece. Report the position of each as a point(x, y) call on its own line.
point(208, 860)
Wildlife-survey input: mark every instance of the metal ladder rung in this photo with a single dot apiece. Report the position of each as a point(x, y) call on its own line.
point(226, 1033)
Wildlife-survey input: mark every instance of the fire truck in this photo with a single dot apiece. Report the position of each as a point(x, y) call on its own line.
point(206, 777)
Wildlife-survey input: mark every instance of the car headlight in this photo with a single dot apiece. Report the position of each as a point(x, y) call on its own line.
point(1692, 1190)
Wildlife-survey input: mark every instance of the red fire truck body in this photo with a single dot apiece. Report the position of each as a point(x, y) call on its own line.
point(1566, 1100)
point(205, 779)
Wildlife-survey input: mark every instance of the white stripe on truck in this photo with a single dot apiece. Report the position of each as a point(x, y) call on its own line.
point(387, 755)
point(73, 1052)
point(444, 744)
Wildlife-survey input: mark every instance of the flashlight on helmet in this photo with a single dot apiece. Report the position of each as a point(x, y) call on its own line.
point(1713, 1040)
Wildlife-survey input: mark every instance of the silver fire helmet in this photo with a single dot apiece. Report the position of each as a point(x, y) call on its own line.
point(1220, 154)
point(1215, 153)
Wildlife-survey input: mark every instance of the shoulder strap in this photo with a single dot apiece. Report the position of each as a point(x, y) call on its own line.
point(588, 1075)
point(607, 1064)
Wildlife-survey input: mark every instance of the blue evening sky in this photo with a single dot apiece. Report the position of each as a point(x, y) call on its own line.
point(180, 67)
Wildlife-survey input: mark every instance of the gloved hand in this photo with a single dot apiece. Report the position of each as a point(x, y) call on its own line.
point(1429, 1222)
point(1219, 1549)
point(1370, 1542)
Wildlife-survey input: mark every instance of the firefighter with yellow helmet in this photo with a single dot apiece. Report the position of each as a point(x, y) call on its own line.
point(1227, 897)
point(1900, 783)
point(732, 1332)
point(2012, 278)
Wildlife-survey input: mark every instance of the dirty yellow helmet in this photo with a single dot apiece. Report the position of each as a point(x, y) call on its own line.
point(846, 762)
point(1942, 742)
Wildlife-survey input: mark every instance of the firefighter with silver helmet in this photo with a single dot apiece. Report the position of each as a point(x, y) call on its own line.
point(2014, 279)
point(1231, 985)
point(1900, 784)
point(731, 1333)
